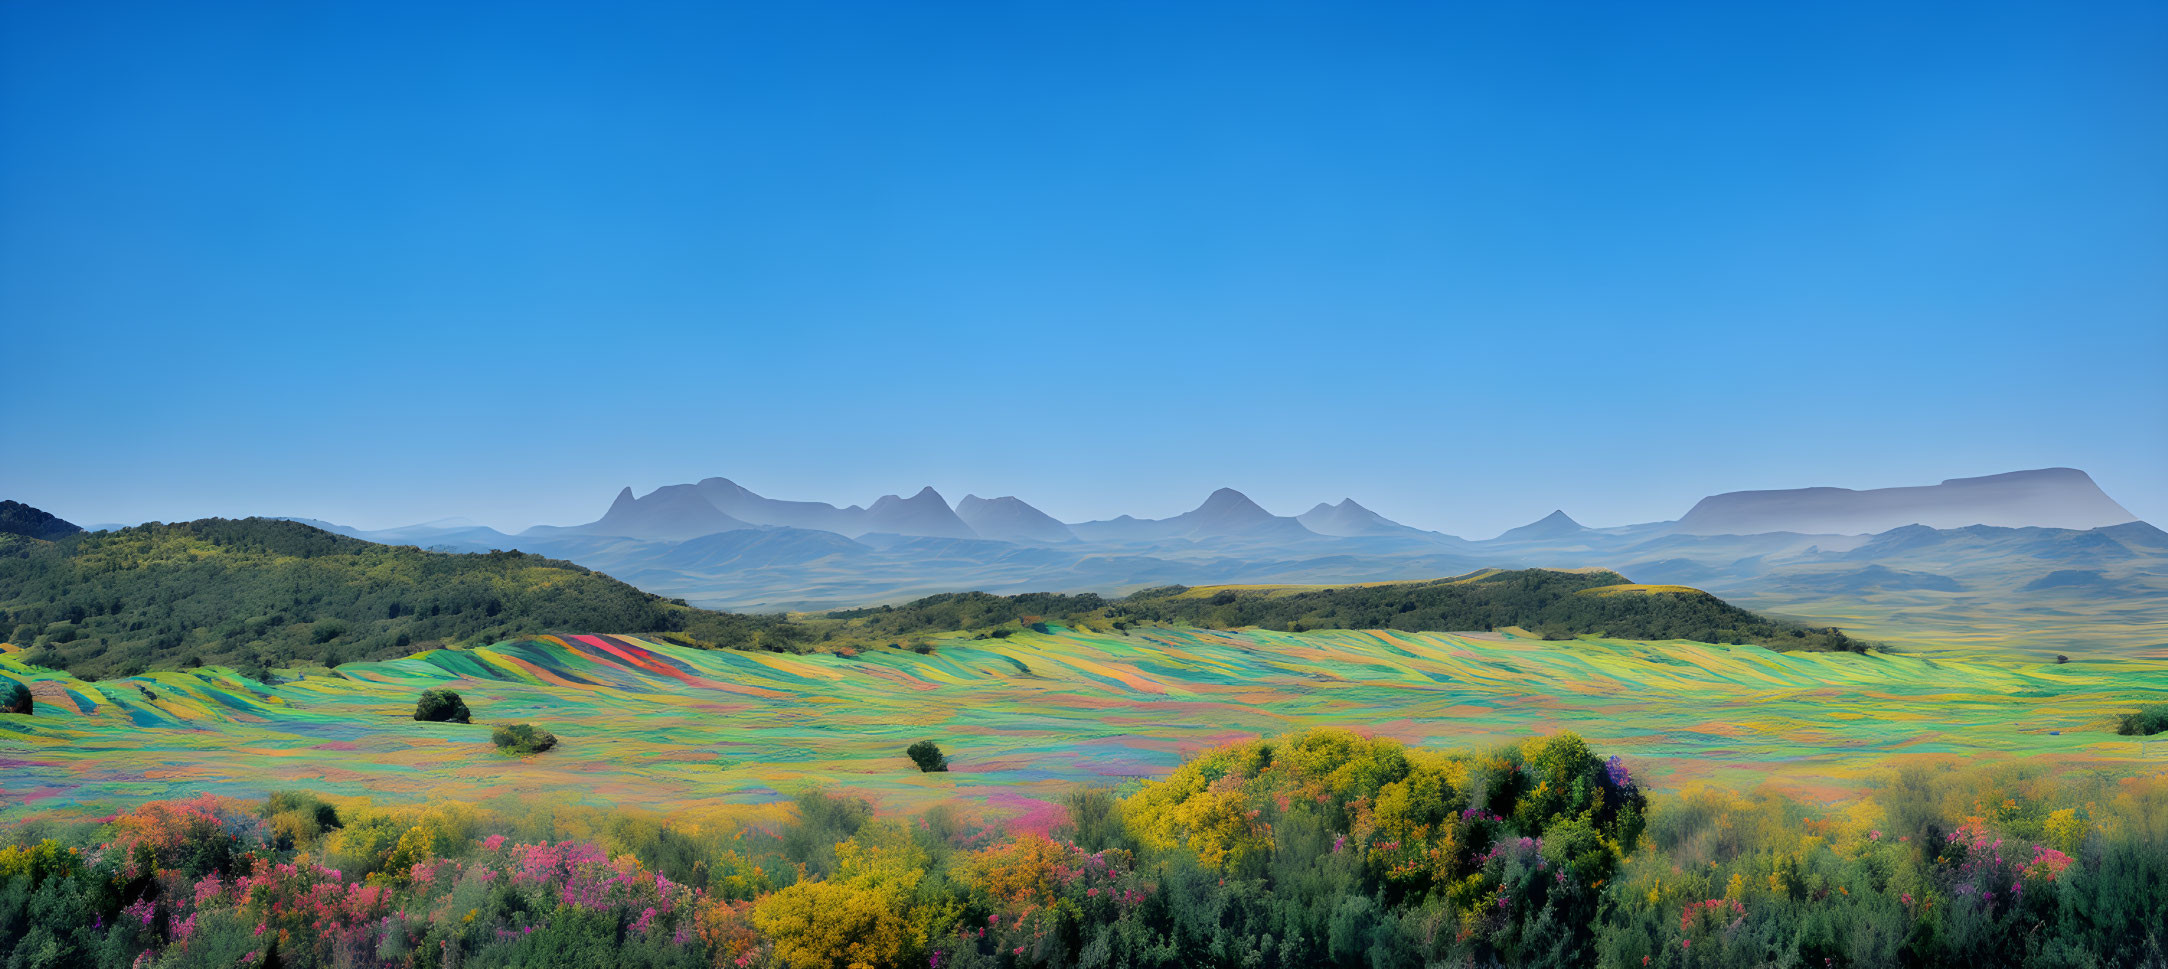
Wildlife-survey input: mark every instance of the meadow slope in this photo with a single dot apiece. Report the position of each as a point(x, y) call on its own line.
point(1025, 718)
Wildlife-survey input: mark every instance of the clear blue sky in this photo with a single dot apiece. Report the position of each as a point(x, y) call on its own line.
point(384, 262)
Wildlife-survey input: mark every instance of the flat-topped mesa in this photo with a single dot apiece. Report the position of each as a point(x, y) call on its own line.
point(2047, 498)
point(742, 503)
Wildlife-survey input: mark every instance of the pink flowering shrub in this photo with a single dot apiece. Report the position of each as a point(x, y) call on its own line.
point(193, 837)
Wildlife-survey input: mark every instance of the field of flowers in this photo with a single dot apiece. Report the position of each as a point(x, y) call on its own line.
point(1323, 848)
point(1026, 718)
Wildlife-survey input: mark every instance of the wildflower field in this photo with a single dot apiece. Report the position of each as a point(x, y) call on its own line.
point(1108, 801)
point(1029, 717)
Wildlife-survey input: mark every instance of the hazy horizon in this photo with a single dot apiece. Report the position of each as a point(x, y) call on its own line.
point(953, 496)
point(386, 266)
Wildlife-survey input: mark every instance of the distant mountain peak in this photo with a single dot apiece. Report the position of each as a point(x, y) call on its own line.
point(672, 512)
point(1557, 524)
point(713, 486)
point(1349, 519)
point(1011, 519)
point(924, 497)
point(1227, 503)
point(925, 513)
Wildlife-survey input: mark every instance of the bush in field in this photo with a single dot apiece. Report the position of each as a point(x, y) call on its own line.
point(16, 698)
point(522, 739)
point(442, 706)
point(2149, 720)
point(927, 755)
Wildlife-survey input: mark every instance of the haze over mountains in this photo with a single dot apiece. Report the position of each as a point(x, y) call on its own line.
point(2003, 547)
point(2046, 498)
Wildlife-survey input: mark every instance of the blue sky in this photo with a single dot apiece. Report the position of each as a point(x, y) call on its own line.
point(382, 263)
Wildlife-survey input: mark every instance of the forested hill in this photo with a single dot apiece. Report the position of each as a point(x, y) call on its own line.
point(17, 518)
point(258, 593)
point(1556, 605)
point(261, 593)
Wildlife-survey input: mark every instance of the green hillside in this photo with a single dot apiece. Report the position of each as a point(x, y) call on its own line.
point(258, 593)
point(261, 593)
point(17, 518)
point(1558, 605)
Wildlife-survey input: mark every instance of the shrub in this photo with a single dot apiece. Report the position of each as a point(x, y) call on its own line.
point(16, 698)
point(2149, 720)
point(304, 805)
point(522, 739)
point(442, 706)
point(927, 755)
point(816, 924)
point(297, 819)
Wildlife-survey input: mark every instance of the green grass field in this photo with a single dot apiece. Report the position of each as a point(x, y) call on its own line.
point(1028, 717)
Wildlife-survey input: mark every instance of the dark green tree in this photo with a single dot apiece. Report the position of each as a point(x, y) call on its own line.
point(522, 739)
point(442, 706)
point(2149, 720)
point(927, 755)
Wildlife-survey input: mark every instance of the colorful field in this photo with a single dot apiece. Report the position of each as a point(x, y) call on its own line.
point(1028, 717)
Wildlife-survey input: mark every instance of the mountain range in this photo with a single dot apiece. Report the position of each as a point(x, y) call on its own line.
point(2042, 558)
point(2027, 551)
point(2047, 498)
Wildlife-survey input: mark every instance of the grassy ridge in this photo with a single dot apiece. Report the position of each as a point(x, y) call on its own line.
point(256, 593)
point(1558, 605)
point(260, 593)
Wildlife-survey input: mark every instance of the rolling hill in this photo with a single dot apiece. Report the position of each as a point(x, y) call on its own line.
point(261, 592)
point(1917, 585)
point(1554, 604)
